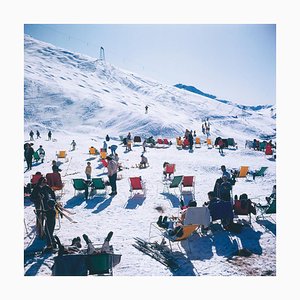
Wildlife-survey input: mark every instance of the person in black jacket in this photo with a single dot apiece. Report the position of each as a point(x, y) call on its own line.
point(55, 168)
point(44, 201)
point(191, 139)
point(28, 153)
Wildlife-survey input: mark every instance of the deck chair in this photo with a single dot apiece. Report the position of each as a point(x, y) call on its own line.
point(98, 184)
point(209, 144)
point(170, 170)
point(175, 184)
point(166, 142)
point(136, 184)
point(260, 172)
point(61, 154)
point(137, 139)
point(197, 216)
point(231, 143)
point(241, 208)
point(197, 142)
point(178, 143)
point(104, 163)
point(79, 184)
point(188, 185)
point(187, 231)
point(242, 173)
point(103, 154)
point(54, 181)
point(265, 211)
point(92, 151)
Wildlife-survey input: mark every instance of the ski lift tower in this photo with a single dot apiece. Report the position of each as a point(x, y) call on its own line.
point(102, 55)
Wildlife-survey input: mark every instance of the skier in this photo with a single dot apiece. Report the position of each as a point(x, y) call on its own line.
point(191, 140)
point(28, 156)
point(49, 135)
point(221, 146)
point(73, 144)
point(107, 138)
point(38, 136)
point(44, 201)
point(41, 153)
point(31, 135)
point(146, 109)
point(144, 145)
point(104, 146)
point(203, 129)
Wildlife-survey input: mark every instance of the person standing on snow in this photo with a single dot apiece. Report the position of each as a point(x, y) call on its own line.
point(73, 144)
point(31, 135)
point(41, 153)
point(191, 139)
point(38, 136)
point(28, 156)
point(49, 135)
point(112, 170)
point(88, 171)
point(146, 109)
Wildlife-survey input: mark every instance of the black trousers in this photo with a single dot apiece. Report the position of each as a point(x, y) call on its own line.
point(113, 182)
point(49, 227)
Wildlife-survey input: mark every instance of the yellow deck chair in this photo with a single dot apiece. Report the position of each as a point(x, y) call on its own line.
point(209, 144)
point(188, 230)
point(92, 151)
point(61, 154)
point(103, 154)
point(197, 142)
point(178, 143)
point(243, 172)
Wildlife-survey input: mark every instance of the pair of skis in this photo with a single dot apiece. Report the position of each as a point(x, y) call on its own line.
point(156, 251)
point(64, 212)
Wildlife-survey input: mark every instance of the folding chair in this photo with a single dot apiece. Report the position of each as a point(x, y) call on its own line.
point(231, 144)
point(36, 156)
point(170, 170)
point(242, 208)
point(159, 143)
point(209, 144)
point(55, 182)
point(197, 142)
point(136, 184)
point(188, 185)
point(92, 151)
point(103, 154)
point(178, 143)
point(61, 154)
point(197, 216)
point(242, 173)
point(104, 163)
point(79, 184)
point(98, 184)
point(35, 178)
point(265, 211)
point(166, 142)
point(260, 172)
point(175, 183)
point(137, 140)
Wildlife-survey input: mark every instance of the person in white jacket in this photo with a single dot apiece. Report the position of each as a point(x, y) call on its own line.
point(112, 170)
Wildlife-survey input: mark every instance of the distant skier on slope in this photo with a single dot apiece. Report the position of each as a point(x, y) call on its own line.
point(146, 109)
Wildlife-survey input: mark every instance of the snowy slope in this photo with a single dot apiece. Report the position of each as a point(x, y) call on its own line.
point(83, 99)
point(101, 97)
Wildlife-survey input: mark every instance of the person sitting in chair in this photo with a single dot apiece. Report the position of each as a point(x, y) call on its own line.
point(173, 225)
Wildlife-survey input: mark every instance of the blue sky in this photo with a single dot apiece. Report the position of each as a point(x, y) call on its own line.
point(233, 62)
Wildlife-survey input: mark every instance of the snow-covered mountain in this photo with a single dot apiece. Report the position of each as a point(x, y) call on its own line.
point(193, 89)
point(72, 92)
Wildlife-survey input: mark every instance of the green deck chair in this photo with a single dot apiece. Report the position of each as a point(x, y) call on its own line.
point(266, 210)
point(260, 172)
point(175, 183)
point(79, 185)
point(98, 184)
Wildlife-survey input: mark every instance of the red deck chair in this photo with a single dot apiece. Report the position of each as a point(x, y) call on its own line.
point(104, 163)
point(136, 184)
point(159, 141)
point(54, 181)
point(166, 142)
point(170, 169)
point(188, 185)
point(186, 143)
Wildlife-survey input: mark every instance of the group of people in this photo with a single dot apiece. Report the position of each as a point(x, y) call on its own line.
point(206, 127)
point(29, 153)
point(38, 135)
